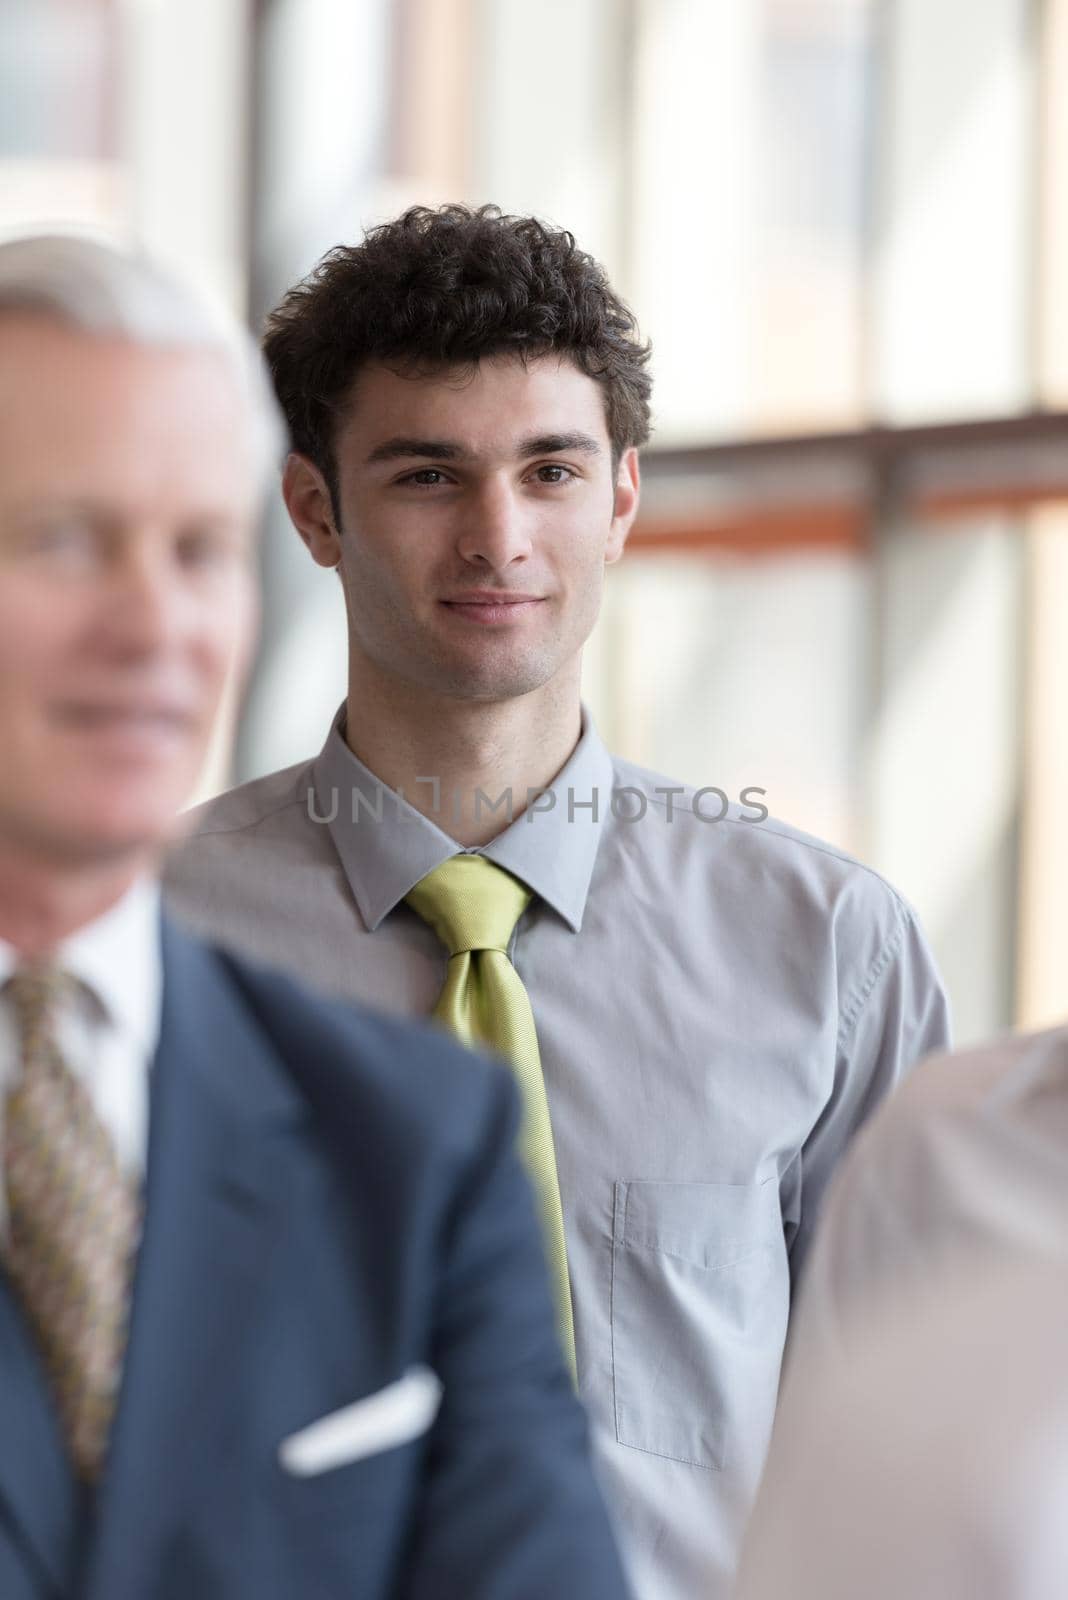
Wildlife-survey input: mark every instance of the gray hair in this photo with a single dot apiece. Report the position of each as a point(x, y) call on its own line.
point(101, 289)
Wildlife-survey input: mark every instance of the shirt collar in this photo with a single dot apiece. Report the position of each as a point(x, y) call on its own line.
point(118, 958)
point(386, 846)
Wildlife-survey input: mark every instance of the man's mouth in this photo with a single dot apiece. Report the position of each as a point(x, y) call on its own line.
point(143, 718)
point(489, 606)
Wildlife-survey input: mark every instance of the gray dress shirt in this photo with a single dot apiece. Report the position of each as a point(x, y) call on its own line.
point(719, 1005)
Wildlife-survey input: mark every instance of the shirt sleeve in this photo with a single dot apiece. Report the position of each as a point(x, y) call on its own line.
point(898, 1015)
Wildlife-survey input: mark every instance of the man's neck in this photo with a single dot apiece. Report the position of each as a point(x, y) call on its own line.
point(41, 904)
point(470, 766)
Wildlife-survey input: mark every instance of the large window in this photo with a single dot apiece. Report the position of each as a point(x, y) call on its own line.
point(844, 224)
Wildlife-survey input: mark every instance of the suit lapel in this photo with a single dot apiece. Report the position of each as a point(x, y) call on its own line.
point(37, 1486)
point(212, 1210)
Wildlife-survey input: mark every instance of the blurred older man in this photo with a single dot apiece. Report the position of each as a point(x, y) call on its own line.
point(273, 1315)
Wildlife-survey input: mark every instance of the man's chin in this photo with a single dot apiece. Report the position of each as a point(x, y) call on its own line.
point(107, 847)
point(489, 683)
point(496, 694)
point(89, 835)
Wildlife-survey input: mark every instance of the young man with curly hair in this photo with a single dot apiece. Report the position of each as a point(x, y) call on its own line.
point(701, 1009)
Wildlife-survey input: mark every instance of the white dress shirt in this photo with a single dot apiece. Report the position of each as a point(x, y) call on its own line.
point(110, 1031)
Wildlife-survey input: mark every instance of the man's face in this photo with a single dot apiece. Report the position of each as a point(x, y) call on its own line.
point(478, 510)
point(126, 511)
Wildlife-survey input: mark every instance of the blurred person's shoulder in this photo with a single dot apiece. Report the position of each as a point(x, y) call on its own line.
point(1013, 1079)
point(927, 1455)
point(968, 1161)
point(982, 1090)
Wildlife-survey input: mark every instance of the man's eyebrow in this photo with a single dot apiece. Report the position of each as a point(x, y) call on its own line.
point(539, 444)
point(401, 449)
point(551, 444)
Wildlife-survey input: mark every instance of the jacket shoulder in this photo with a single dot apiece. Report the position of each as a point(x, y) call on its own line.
point(406, 1080)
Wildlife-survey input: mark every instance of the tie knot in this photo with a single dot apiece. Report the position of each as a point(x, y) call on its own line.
point(36, 994)
point(470, 904)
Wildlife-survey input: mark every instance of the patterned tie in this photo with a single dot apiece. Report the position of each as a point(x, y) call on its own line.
point(73, 1223)
point(473, 907)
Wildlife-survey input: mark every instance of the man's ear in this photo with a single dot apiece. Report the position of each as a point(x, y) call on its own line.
point(311, 509)
point(625, 508)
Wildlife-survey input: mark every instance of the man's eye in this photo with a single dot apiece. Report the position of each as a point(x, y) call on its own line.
point(202, 550)
point(71, 541)
point(425, 478)
point(554, 473)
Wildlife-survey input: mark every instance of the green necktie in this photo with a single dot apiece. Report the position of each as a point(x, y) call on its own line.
point(473, 907)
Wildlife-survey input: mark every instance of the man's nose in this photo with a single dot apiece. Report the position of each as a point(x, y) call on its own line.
point(147, 608)
point(495, 531)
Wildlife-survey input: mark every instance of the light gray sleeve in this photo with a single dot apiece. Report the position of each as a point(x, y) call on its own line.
point(897, 1015)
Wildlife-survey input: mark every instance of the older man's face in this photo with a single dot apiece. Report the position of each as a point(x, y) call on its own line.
point(126, 512)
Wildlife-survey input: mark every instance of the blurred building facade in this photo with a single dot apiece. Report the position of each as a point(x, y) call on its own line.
point(844, 224)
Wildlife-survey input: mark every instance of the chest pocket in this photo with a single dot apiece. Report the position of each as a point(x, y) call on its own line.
point(700, 1299)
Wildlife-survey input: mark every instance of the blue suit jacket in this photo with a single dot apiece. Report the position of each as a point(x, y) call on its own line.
point(331, 1198)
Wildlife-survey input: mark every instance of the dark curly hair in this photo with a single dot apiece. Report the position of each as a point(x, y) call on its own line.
point(444, 287)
